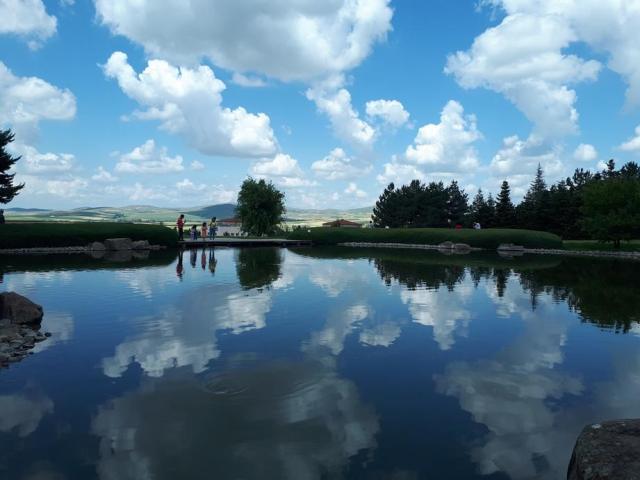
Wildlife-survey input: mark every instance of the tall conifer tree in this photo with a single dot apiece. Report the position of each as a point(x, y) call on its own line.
point(505, 211)
point(8, 190)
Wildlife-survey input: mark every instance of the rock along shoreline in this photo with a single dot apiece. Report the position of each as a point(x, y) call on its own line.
point(448, 249)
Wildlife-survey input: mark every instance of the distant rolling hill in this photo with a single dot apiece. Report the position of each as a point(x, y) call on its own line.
point(223, 210)
point(151, 214)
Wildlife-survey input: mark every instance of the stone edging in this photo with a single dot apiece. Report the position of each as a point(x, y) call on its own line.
point(539, 251)
point(416, 246)
point(54, 250)
point(584, 253)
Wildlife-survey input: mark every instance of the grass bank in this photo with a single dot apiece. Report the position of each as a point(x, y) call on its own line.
point(595, 246)
point(489, 238)
point(31, 235)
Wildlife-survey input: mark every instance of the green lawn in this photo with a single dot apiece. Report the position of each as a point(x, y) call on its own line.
point(594, 245)
point(488, 238)
point(30, 235)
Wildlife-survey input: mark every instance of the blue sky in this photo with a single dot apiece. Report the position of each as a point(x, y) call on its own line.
point(173, 103)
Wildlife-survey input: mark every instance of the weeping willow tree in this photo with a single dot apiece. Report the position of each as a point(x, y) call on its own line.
point(260, 207)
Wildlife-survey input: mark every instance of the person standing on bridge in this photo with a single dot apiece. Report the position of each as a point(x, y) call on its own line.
point(212, 228)
point(203, 231)
point(180, 224)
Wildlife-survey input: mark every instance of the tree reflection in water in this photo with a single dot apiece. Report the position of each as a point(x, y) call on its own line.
point(258, 267)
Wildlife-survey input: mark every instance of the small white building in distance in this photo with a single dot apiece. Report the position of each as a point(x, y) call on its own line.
point(229, 227)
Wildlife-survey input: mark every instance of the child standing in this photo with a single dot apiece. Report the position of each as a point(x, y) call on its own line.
point(203, 232)
point(212, 228)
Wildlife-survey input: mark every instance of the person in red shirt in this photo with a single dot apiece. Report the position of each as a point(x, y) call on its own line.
point(180, 224)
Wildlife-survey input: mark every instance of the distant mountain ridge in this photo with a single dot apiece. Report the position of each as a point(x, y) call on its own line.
point(152, 214)
point(223, 210)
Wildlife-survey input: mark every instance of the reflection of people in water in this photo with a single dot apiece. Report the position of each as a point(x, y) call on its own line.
point(179, 267)
point(203, 259)
point(212, 262)
point(193, 257)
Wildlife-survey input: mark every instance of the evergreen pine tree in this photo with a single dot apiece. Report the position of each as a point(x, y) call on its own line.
point(482, 211)
point(630, 170)
point(610, 171)
point(533, 211)
point(433, 205)
point(505, 211)
point(490, 215)
point(457, 203)
point(385, 212)
point(7, 189)
point(476, 206)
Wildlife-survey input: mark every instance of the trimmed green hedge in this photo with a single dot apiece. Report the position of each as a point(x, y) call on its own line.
point(30, 235)
point(488, 238)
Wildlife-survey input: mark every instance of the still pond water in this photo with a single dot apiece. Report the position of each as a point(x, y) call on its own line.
point(317, 363)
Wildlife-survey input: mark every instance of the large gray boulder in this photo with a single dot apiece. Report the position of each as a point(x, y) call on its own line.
point(510, 247)
point(607, 451)
point(18, 309)
point(96, 247)
point(141, 245)
point(118, 244)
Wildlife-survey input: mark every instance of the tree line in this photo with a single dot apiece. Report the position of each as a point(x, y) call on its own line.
point(603, 205)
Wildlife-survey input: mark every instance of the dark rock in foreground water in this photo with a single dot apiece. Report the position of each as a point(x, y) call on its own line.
point(19, 327)
point(18, 309)
point(607, 451)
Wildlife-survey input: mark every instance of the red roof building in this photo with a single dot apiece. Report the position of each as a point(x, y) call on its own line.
point(229, 222)
point(342, 223)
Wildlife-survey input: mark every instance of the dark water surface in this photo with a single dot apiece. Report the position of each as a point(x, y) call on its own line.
point(317, 363)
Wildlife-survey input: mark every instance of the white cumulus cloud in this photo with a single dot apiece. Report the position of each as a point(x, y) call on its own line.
point(248, 81)
point(148, 158)
point(611, 27)
point(337, 166)
point(449, 145)
point(399, 173)
point(28, 19)
point(352, 189)
point(335, 101)
point(299, 40)
point(36, 162)
point(196, 165)
point(585, 153)
point(104, 176)
point(188, 102)
point(25, 101)
point(281, 165)
point(283, 169)
point(390, 112)
point(633, 144)
point(522, 58)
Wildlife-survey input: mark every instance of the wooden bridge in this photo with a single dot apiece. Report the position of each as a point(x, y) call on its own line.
point(243, 242)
